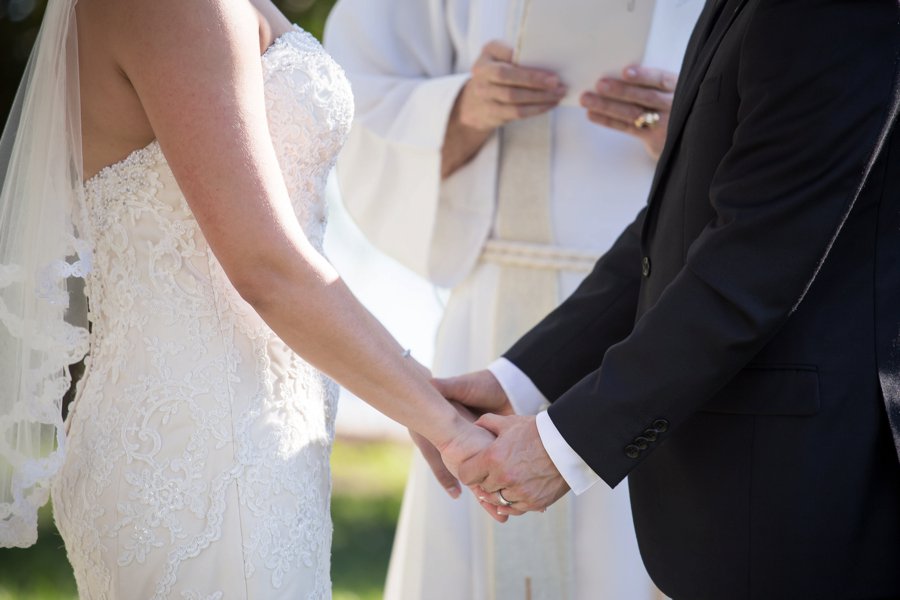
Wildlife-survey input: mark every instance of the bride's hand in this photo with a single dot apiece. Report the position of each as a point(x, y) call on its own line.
point(432, 455)
point(464, 441)
point(467, 441)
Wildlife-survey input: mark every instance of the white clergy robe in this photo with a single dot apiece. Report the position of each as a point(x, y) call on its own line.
point(407, 61)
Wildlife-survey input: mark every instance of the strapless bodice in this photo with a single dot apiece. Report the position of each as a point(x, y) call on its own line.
point(141, 227)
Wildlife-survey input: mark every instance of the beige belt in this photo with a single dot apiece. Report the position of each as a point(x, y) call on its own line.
point(532, 255)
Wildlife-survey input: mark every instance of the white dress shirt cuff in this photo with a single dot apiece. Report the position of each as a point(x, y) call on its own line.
point(524, 396)
point(527, 399)
point(573, 469)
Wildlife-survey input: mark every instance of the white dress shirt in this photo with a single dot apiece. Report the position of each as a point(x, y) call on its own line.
point(527, 399)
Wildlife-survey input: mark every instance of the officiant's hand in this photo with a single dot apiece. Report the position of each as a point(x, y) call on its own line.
point(621, 103)
point(515, 468)
point(497, 93)
point(500, 92)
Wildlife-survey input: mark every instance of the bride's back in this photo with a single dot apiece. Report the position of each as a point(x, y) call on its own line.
point(114, 121)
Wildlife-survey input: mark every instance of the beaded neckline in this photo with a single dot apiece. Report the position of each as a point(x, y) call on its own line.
point(282, 39)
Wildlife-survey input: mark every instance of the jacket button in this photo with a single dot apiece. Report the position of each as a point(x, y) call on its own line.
point(641, 442)
point(645, 266)
point(650, 434)
point(632, 451)
point(661, 425)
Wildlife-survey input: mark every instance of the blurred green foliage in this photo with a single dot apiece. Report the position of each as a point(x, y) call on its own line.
point(19, 23)
point(368, 486)
point(21, 19)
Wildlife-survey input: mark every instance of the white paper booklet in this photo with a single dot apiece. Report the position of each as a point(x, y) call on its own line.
point(583, 40)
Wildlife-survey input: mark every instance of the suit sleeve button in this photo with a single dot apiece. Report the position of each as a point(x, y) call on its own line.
point(650, 434)
point(645, 266)
point(661, 425)
point(641, 442)
point(632, 451)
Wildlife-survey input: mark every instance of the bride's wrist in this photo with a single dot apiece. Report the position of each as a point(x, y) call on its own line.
point(448, 428)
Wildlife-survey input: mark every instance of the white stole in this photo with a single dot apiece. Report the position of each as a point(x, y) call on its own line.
point(530, 555)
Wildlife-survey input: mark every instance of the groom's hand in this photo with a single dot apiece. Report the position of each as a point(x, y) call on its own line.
point(443, 475)
point(516, 465)
point(479, 391)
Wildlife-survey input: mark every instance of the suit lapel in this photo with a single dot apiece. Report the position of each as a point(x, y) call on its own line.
point(705, 22)
point(711, 29)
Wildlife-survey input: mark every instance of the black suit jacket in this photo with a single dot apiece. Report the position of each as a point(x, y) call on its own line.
point(736, 351)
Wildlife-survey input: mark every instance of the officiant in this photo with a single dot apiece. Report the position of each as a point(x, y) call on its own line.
point(505, 180)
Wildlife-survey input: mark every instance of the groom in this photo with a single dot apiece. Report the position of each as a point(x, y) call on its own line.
point(736, 353)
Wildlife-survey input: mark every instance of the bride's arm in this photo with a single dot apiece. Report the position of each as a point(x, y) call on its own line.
point(196, 68)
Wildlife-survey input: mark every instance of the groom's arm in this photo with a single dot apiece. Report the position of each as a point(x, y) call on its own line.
point(603, 309)
point(598, 314)
point(800, 157)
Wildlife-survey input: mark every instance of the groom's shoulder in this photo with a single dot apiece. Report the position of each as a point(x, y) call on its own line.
point(798, 19)
point(804, 39)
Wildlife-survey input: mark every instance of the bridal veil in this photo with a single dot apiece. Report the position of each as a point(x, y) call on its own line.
point(42, 258)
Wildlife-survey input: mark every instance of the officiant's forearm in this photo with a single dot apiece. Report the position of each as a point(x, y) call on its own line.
point(461, 143)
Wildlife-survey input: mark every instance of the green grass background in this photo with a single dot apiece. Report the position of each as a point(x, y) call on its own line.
point(368, 486)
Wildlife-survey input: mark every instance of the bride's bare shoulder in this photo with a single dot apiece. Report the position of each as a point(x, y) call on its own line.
point(186, 23)
point(144, 30)
point(130, 50)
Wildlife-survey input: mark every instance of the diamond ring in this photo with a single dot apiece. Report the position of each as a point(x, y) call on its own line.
point(647, 120)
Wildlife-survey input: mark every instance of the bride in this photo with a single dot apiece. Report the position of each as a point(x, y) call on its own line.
point(173, 155)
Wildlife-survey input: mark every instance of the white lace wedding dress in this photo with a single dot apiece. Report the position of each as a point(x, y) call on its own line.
point(197, 463)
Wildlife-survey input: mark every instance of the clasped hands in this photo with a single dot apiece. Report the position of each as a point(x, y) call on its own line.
point(509, 471)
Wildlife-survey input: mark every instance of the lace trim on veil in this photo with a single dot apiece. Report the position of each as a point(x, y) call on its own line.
point(52, 345)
